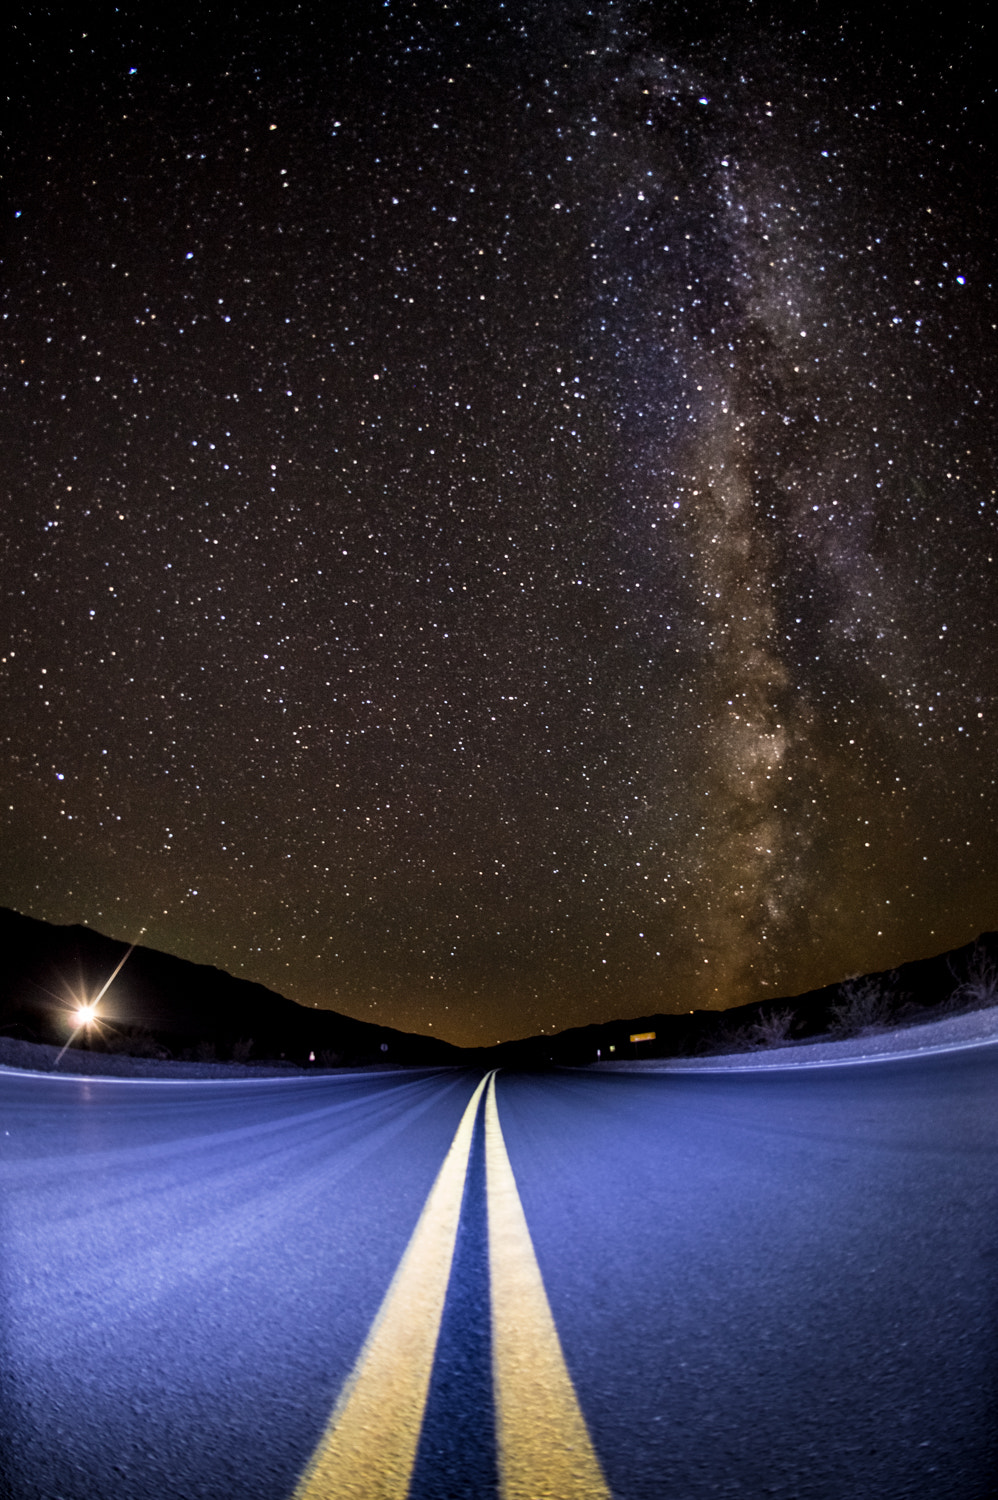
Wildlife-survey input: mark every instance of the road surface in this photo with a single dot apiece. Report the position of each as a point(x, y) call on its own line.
point(437, 1285)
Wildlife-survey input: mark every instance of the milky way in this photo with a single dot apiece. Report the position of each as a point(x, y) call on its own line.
point(500, 509)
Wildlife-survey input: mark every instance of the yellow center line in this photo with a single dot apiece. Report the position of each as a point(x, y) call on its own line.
point(369, 1447)
point(545, 1452)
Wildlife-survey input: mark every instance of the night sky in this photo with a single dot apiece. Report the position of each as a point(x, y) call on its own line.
point(499, 515)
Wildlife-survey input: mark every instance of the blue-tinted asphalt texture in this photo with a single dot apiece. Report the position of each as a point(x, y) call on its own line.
point(765, 1284)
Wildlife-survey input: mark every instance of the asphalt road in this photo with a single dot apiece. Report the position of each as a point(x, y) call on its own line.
point(763, 1284)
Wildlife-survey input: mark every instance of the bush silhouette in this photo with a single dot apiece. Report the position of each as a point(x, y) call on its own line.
point(865, 1003)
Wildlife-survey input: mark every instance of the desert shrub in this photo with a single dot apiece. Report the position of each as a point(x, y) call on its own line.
point(329, 1059)
point(711, 1037)
point(204, 1052)
point(977, 984)
point(721, 1037)
point(772, 1027)
point(242, 1049)
point(136, 1041)
point(864, 1004)
point(738, 1039)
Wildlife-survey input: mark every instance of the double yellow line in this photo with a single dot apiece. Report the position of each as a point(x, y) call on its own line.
point(544, 1450)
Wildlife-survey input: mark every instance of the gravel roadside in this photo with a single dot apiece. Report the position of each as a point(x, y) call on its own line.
point(944, 1035)
point(967, 1030)
point(37, 1057)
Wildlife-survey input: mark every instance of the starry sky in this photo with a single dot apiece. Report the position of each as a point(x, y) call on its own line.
point(499, 514)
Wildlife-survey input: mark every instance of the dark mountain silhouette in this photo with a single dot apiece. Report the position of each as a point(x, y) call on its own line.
point(159, 1001)
point(176, 1005)
point(912, 992)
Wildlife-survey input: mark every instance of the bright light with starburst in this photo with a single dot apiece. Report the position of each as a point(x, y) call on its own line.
point(86, 1013)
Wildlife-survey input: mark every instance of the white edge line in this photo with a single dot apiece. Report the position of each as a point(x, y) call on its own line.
point(7, 1071)
point(839, 1062)
point(836, 1062)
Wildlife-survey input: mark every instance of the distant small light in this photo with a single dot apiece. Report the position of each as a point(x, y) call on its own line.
point(962, 280)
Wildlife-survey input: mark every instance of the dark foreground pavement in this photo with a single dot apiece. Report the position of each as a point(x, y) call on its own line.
point(775, 1284)
point(765, 1284)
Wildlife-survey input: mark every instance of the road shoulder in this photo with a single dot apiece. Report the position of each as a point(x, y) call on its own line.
point(951, 1033)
